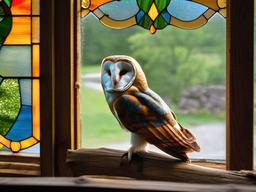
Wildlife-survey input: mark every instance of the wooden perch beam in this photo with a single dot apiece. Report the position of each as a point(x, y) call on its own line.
point(151, 166)
point(66, 184)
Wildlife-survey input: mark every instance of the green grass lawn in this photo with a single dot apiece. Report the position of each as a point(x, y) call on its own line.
point(99, 127)
point(90, 68)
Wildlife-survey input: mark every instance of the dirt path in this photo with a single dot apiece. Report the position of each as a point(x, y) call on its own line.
point(210, 137)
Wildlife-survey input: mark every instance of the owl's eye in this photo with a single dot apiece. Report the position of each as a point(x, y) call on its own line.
point(123, 72)
point(109, 72)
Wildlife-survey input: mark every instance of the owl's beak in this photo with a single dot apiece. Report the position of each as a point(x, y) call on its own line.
point(115, 80)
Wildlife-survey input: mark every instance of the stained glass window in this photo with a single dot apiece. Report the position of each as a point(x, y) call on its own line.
point(154, 14)
point(19, 76)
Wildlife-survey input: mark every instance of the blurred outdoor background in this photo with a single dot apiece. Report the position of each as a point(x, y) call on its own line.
point(186, 67)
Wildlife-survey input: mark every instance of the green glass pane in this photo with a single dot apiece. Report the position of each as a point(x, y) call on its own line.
point(8, 2)
point(9, 104)
point(5, 28)
point(15, 61)
point(1, 13)
point(160, 23)
point(161, 4)
point(144, 5)
point(146, 22)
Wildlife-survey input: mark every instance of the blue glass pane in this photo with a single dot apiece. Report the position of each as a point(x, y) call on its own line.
point(120, 10)
point(25, 90)
point(22, 128)
point(15, 61)
point(186, 10)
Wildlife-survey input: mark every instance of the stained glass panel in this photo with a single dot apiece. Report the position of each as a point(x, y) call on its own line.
point(15, 61)
point(154, 14)
point(19, 76)
point(20, 32)
point(25, 91)
point(21, 7)
point(36, 29)
point(121, 10)
point(35, 7)
point(186, 10)
point(36, 59)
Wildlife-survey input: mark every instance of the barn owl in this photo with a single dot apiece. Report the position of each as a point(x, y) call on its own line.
point(141, 111)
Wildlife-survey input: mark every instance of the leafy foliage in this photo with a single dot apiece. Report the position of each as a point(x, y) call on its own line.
point(9, 104)
point(99, 41)
point(173, 59)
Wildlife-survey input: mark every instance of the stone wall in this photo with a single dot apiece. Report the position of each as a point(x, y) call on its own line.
point(203, 98)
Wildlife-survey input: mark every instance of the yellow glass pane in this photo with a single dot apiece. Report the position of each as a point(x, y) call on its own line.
point(35, 29)
point(5, 142)
point(36, 108)
point(200, 21)
point(21, 7)
point(15, 146)
point(35, 7)
point(20, 33)
point(36, 60)
point(28, 142)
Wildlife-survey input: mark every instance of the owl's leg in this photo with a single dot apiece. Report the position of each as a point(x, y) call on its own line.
point(138, 145)
point(134, 156)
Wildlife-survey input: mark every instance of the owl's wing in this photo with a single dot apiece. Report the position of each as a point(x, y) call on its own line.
point(143, 115)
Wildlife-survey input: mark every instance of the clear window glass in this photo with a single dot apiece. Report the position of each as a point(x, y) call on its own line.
point(185, 67)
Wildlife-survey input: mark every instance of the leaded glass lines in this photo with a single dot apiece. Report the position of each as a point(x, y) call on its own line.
point(19, 75)
point(154, 14)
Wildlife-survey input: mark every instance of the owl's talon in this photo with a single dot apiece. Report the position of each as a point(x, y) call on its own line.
point(135, 159)
point(124, 159)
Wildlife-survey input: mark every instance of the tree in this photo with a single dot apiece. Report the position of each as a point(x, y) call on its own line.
point(99, 41)
point(174, 59)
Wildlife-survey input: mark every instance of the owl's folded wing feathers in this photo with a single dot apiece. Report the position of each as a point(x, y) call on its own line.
point(141, 114)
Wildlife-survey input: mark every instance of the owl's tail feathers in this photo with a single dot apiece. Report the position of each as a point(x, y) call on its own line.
point(183, 156)
point(190, 139)
point(180, 155)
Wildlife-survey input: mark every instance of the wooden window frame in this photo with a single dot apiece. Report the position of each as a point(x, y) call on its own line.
point(60, 53)
point(59, 84)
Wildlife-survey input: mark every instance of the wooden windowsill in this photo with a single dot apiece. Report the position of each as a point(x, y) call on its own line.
point(110, 185)
point(151, 166)
point(19, 165)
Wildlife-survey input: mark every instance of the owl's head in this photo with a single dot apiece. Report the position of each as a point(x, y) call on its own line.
point(119, 73)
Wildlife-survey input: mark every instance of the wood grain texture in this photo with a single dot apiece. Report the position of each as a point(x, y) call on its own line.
point(19, 157)
point(47, 80)
point(64, 86)
point(152, 166)
point(77, 63)
point(240, 85)
point(110, 185)
point(19, 169)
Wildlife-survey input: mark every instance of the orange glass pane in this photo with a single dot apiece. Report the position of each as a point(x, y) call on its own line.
point(35, 29)
point(21, 7)
point(35, 7)
point(36, 58)
point(36, 108)
point(20, 33)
